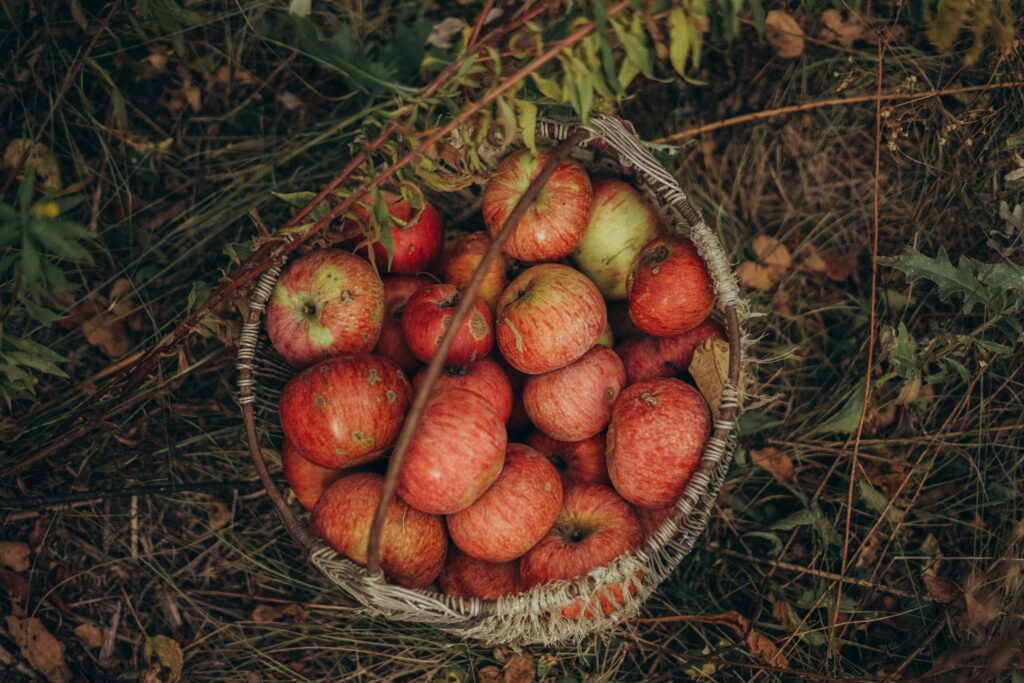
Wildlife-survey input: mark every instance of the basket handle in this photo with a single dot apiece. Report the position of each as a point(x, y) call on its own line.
point(433, 370)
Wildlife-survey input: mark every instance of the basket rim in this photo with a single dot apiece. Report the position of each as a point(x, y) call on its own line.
point(612, 137)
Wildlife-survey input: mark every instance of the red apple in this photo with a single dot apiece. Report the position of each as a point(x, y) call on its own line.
point(428, 315)
point(465, 576)
point(656, 440)
point(677, 351)
point(416, 236)
point(455, 455)
point(483, 377)
point(327, 302)
point(307, 479)
point(461, 263)
point(413, 544)
point(548, 317)
point(651, 519)
point(518, 422)
point(514, 513)
point(642, 361)
point(575, 402)
point(621, 223)
point(670, 289)
point(594, 527)
point(579, 462)
point(397, 290)
point(553, 225)
point(345, 410)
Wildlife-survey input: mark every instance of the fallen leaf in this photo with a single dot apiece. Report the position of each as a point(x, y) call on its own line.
point(14, 555)
point(168, 655)
point(839, 267)
point(758, 643)
point(846, 31)
point(43, 652)
point(18, 590)
point(220, 517)
point(519, 669)
point(981, 610)
point(238, 76)
point(290, 100)
point(773, 461)
point(773, 254)
point(488, 674)
point(710, 370)
point(942, 590)
point(193, 95)
point(265, 614)
point(754, 275)
point(90, 635)
point(784, 34)
point(108, 332)
point(40, 159)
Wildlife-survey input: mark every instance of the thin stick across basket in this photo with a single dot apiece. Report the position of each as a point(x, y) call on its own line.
point(536, 615)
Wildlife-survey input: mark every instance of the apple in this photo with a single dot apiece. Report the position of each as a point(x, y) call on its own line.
point(397, 290)
point(594, 527)
point(642, 361)
point(670, 289)
point(514, 513)
point(548, 317)
point(575, 402)
point(518, 423)
point(455, 454)
point(578, 462)
point(416, 236)
point(345, 410)
point(327, 302)
point(462, 261)
point(413, 544)
point(621, 224)
point(677, 351)
point(483, 377)
point(307, 479)
point(651, 519)
point(465, 576)
point(428, 315)
point(655, 440)
point(556, 220)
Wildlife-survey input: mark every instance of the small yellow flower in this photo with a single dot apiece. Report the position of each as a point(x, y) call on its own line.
point(46, 210)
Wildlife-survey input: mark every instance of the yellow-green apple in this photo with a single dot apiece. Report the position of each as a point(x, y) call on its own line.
point(548, 317)
point(554, 223)
point(578, 462)
point(677, 351)
point(642, 361)
point(397, 290)
point(575, 402)
point(327, 302)
point(670, 289)
point(345, 410)
point(462, 261)
point(456, 453)
point(651, 519)
point(416, 236)
point(483, 377)
point(465, 576)
point(621, 224)
point(307, 479)
point(413, 544)
point(428, 315)
point(655, 440)
point(594, 527)
point(514, 513)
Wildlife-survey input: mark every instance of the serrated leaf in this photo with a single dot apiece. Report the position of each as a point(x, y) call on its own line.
point(949, 279)
point(876, 501)
point(679, 40)
point(801, 518)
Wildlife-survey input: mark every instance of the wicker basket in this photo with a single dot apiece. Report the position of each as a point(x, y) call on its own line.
point(534, 616)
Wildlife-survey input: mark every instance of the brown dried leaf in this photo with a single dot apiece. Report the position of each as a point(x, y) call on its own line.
point(783, 613)
point(846, 31)
point(18, 589)
point(264, 614)
point(981, 607)
point(220, 517)
point(109, 333)
point(784, 34)
point(773, 461)
point(169, 657)
point(773, 254)
point(488, 674)
point(40, 159)
point(754, 275)
point(14, 554)
point(942, 590)
point(90, 635)
point(710, 370)
point(194, 96)
point(839, 267)
point(764, 647)
point(44, 653)
point(519, 669)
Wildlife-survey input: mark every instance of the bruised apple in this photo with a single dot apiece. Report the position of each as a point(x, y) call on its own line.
point(413, 544)
point(578, 462)
point(428, 315)
point(483, 377)
point(465, 576)
point(670, 288)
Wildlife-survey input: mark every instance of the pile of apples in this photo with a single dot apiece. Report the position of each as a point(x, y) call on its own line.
point(610, 437)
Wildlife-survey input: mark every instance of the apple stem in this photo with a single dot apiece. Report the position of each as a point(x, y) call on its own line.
point(437, 362)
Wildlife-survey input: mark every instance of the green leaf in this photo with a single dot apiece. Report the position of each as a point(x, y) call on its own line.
point(343, 52)
point(199, 293)
point(758, 14)
point(961, 370)
point(547, 87)
point(605, 50)
point(53, 237)
point(36, 363)
point(35, 349)
point(679, 40)
point(40, 314)
point(382, 218)
point(904, 360)
point(801, 518)
point(876, 501)
point(527, 112)
point(31, 263)
point(847, 418)
point(962, 281)
point(634, 41)
point(300, 199)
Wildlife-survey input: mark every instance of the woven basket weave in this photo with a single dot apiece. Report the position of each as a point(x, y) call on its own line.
point(534, 616)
